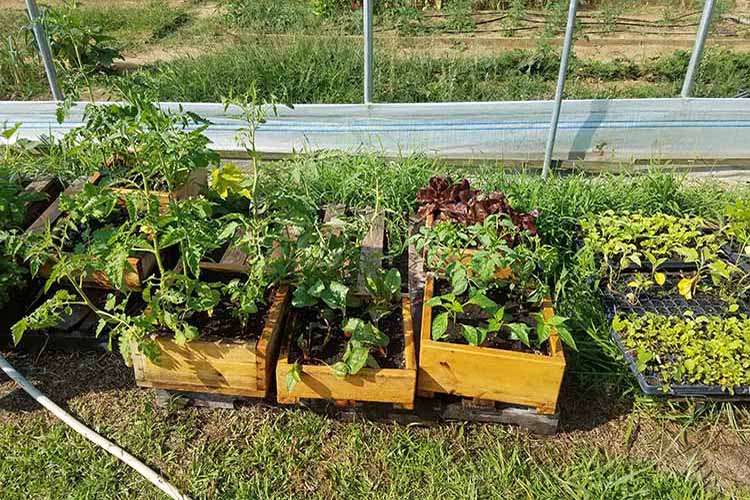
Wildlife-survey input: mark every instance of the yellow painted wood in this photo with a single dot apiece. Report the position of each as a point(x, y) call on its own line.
point(385, 385)
point(215, 365)
point(487, 373)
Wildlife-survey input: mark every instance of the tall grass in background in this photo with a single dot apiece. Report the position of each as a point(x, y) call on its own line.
point(308, 70)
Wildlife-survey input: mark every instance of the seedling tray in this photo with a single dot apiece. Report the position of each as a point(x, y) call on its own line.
point(725, 252)
point(669, 305)
point(650, 385)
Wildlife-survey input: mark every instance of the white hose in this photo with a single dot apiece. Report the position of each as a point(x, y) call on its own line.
point(92, 436)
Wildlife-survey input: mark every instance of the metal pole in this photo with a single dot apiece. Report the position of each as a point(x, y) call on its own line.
point(567, 43)
point(44, 51)
point(367, 8)
point(697, 55)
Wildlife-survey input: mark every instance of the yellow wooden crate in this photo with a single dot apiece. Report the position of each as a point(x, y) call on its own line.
point(384, 385)
point(487, 373)
point(218, 366)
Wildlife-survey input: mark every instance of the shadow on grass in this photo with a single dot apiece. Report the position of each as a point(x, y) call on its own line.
point(63, 376)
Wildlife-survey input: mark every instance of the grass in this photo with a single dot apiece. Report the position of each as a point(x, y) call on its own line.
point(305, 70)
point(266, 453)
point(308, 71)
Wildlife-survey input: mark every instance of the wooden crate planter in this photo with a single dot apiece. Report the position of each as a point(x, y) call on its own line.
point(218, 365)
point(142, 263)
point(384, 385)
point(487, 373)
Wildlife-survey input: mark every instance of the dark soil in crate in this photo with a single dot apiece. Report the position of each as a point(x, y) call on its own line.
point(79, 240)
point(223, 324)
point(305, 321)
point(515, 312)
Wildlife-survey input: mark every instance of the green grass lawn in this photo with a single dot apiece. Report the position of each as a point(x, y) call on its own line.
point(612, 444)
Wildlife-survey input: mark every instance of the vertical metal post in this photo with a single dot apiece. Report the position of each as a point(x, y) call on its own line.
point(697, 55)
point(44, 50)
point(367, 9)
point(567, 43)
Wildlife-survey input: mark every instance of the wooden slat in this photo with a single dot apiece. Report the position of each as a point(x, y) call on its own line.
point(196, 182)
point(143, 265)
point(50, 188)
point(371, 253)
point(486, 373)
point(52, 213)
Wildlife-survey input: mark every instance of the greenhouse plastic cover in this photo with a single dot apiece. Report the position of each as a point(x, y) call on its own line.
point(599, 130)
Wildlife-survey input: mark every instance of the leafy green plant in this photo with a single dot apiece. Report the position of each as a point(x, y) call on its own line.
point(173, 297)
point(14, 201)
point(494, 271)
point(691, 349)
point(339, 315)
point(626, 242)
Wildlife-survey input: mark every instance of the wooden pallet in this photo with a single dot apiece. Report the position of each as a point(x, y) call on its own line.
point(426, 412)
point(166, 398)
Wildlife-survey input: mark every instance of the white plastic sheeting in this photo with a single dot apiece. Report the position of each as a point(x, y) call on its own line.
point(598, 130)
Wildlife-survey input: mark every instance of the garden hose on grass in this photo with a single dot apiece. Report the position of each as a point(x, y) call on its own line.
point(92, 436)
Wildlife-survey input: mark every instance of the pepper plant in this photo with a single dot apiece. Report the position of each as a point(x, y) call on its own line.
point(494, 269)
point(325, 284)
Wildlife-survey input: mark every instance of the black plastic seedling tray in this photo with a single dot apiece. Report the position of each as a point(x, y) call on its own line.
point(669, 305)
point(650, 385)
